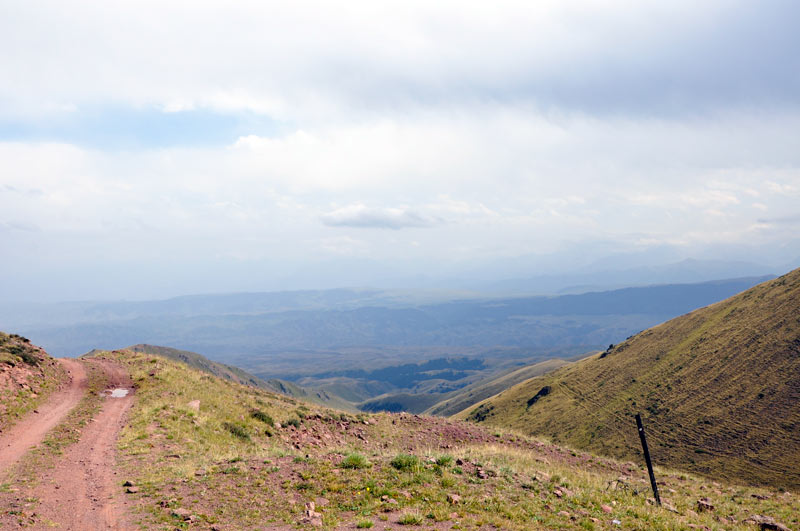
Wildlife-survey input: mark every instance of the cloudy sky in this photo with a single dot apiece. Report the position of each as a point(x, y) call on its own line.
point(155, 148)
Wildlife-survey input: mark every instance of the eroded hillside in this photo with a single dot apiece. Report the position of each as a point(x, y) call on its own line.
point(27, 375)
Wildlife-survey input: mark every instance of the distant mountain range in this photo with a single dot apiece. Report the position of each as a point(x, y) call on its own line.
point(370, 349)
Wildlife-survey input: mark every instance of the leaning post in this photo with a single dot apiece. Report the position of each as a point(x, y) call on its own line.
point(647, 459)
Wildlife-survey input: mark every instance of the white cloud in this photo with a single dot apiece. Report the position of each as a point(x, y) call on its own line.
point(361, 216)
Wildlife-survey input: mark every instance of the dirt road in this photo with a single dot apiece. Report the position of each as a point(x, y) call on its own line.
point(31, 430)
point(80, 492)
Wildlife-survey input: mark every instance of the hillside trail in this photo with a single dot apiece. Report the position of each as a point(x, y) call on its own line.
point(31, 430)
point(80, 492)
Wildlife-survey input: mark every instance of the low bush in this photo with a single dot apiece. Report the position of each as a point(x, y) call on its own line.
point(263, 417)
point(355, 460)
point(236, 430)
point(406, 463)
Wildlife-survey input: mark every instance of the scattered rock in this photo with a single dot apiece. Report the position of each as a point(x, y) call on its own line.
point(453, 516)
point(704, 505)
point(563, 513)
point(766, 522)
point(760, 496)
point(668, 506)
point(691, 513)
point(616, 522)
point(541, 476)
point(183, 514)
point(606, 509)
point(132, 490)
point(128, 483)
point(194, 405)
point(558, 493)
point(200, 472)
point(453, 498)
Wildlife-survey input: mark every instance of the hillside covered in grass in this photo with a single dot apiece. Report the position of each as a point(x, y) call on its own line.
point(719, 389)
point(27, 376)
point(240, 376)
point(201, 452)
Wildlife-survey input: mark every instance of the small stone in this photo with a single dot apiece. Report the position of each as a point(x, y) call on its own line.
point(766, 522)
point(558, 493)
point(200, 472)
point(453, 516)
point(132, 490)
point(671, 508)
point(563, 513)
point(453, 498)
point(128, 483)
point(606, 509)
point(182, 513)
point(194, 405)
point(616, 522)
point(705, 505)
point(691, 513)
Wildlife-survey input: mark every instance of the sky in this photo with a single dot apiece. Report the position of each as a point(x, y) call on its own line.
point(152, 149)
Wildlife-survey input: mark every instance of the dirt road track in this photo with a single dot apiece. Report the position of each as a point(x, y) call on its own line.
point(31, 430)
point(82, 492)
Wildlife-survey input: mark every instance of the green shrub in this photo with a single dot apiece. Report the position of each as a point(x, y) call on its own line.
point(237, 430)
point(364, 524)
point(444, 460)
point(355, 460)
point(406, 463)
point(263, 417)
point(293, 422)
point(410, 519)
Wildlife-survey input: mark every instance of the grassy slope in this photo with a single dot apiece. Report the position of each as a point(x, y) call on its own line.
point(719, 389)
point(27, 376)
point(237, 375)
point(483, 389)
point(220, 465)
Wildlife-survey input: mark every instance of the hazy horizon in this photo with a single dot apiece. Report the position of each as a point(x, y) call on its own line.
point(152, 150)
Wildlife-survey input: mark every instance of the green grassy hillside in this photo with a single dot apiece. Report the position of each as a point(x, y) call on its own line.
point(199, 452)
point(237, 375)
point(719, 389)
point(483, 389)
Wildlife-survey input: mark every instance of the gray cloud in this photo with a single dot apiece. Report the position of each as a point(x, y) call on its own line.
point(784, 220)
point(360, 216)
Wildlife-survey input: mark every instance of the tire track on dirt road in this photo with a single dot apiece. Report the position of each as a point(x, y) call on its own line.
point(81, 491)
